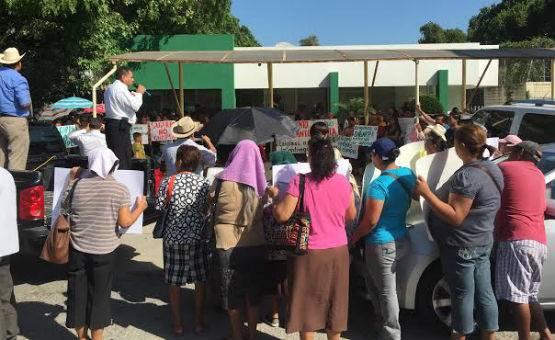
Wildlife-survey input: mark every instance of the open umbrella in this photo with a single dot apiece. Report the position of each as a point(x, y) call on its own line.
point(72, 103)
point(100, 108)
point(258, 124)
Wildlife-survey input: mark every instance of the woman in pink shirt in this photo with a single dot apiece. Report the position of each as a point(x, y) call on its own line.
point(319, 280)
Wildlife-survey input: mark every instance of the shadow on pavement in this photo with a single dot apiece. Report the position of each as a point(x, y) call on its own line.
point(37, 321)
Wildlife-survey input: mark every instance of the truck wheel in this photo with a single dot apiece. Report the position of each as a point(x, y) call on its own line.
point(433, 302)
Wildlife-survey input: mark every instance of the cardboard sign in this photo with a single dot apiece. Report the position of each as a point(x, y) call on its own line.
point(365, 135)
point(299, 144)
point(347, 147)
point(132, 179)
point(161, 131)
point(284, 173)
point(142, 129)
point(65, 131)
point(406, 125)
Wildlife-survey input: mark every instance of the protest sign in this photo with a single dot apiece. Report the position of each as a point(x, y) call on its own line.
point(142, 129)
point(284, 173)
point(132, 179)
point(65, 131)
point(365, 135)
point(405, 124)
point(346, 146)
point(161, 131)
point(299, 144)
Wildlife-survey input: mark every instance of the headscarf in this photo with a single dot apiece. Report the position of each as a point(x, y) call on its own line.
point(102, 161)
point(245, 166)
point(282, 157)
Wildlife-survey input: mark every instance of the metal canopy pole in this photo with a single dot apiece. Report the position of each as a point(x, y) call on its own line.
point(270, 85)
point(366, 94)
point(479, 82)
point(173, 87)
point(95, 86)
point(463, 87)
point(553, 79)
point(181, 92)
point(416, 86)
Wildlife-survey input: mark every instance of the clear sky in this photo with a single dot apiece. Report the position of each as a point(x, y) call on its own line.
point(346, 22)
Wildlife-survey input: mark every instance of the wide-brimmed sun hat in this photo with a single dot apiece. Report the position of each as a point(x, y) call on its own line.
point(438, 130)
point(510, 140)
point(185, 127)
point(10, 56)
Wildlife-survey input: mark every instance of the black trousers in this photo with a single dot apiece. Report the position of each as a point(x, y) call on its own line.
point(118, 139)
point(89, 286)
point(8, 315)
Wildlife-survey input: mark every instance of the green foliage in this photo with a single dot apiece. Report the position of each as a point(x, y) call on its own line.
point(429, 104)
point(67, 41)
point(311, 40)
point(432, 33)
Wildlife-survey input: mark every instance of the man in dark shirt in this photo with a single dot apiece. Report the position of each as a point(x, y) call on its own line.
point(15, 101)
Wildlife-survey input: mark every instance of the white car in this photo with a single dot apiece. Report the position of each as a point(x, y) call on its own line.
point(420, 282)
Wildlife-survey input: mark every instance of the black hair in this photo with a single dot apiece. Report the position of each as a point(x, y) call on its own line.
point(85, 119)
point(95, 123)
point(436, 140)
point(391, 156)
point(136, 134)
point(319, 130)
point(321, 158)
point(122, 71)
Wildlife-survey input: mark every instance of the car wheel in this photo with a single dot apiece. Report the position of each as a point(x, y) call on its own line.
point(434, 297)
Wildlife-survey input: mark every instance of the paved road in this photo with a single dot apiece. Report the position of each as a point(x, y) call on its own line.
point(139, 302)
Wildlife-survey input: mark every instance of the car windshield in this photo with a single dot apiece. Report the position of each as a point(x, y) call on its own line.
point(45, 139)
point(497, 122)
point(547, 162)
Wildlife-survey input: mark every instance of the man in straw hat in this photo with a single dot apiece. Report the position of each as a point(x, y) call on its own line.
point(15, 101)
point(121, 112)
point(184, 132)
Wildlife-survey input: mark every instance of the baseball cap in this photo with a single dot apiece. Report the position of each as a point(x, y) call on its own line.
point(532, 149)
point(510, 140)
point(383, 147)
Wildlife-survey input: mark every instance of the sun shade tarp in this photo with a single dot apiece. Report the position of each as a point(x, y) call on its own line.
point(328, 55)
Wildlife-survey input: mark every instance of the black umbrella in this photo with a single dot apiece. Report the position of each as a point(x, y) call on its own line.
point(258, 124)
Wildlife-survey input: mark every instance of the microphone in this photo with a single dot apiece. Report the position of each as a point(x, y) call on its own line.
point(146, 92)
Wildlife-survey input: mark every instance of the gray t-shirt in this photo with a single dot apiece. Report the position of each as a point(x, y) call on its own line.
point(477, 228)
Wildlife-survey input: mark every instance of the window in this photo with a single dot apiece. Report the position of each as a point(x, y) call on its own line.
point(497, 122)
point(45, 140)
point(537, 127)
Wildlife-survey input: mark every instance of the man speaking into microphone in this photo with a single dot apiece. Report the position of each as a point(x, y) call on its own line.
point(121, 112)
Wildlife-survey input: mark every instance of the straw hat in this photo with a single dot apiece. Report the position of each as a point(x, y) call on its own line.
point(10, 56)
point(185, 127)
point(438, 130)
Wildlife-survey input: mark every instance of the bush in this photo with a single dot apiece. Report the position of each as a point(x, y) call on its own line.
point(429, 104)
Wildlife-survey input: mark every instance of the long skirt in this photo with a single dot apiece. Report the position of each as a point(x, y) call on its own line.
point(89, 286)
point(319, 290)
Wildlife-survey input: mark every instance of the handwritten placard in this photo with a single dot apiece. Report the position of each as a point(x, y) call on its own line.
point(346, 146)
point(299, 144)
point(65, 131)
point(365, 135)
point(161, 131)
point(142, 129)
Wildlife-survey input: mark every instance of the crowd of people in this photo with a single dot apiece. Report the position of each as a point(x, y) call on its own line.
point(481, 205)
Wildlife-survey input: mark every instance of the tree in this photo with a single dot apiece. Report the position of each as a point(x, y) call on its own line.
point(311, 40)
point(429, 104)
point(432, 33)
point(67, 42)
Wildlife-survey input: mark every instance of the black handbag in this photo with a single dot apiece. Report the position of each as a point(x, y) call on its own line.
point(210, 219)
point(160, 226)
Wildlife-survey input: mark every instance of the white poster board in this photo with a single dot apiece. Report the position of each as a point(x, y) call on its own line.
point(346, 146)
point(299, 144)
point(211, 174)
point(406, 125)
point(436, 169)
point(284, 173)
point(132, 179)
point(142, 129)
point(410, 154)
point(161, 131)
point(65, 131)
point(365, 135)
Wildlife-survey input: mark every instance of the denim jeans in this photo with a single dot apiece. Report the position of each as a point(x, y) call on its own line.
point(381, 261)
point(468, 274)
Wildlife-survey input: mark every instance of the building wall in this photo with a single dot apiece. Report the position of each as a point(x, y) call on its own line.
point(195, 76)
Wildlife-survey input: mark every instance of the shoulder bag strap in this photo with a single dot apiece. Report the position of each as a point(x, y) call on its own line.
point(397, 178)
point(302, 182)
point(486, 170)
point(69, 198)
point(169, 191)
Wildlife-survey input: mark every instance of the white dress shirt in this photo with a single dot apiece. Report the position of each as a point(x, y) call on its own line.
point(208, 157)
point(88, 141)
point(9, 240)
point(121, 103)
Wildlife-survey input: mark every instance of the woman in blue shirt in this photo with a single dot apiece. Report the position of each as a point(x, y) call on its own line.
point(383, 228)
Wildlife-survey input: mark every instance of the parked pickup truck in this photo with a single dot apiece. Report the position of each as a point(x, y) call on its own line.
point(35, 185)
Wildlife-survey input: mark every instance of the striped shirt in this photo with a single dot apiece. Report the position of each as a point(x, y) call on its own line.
point(96, 203)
